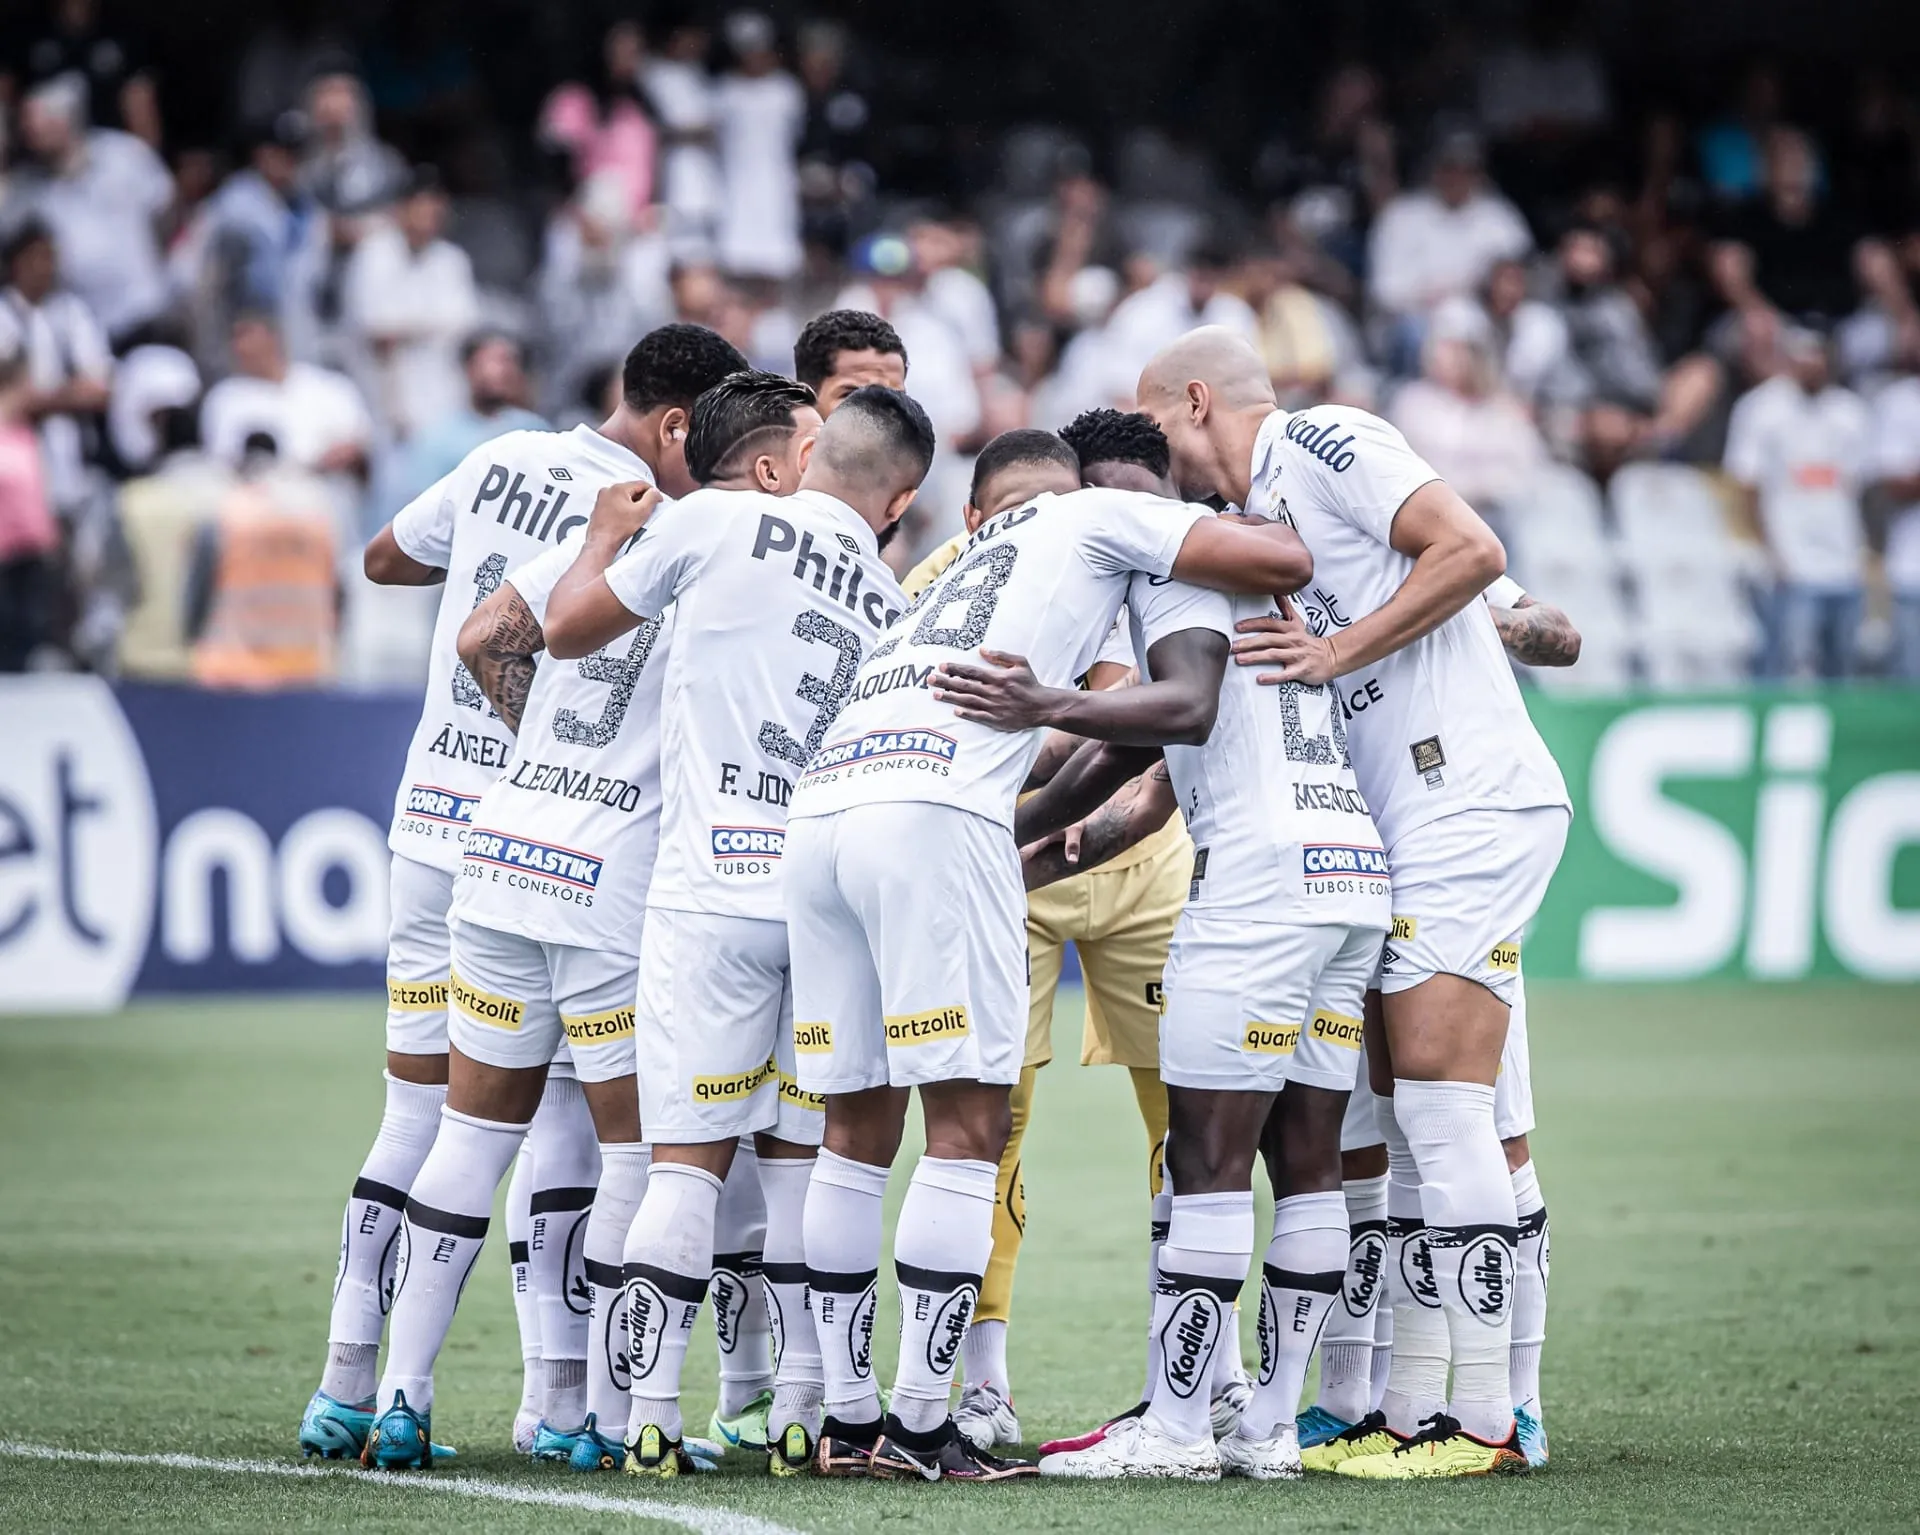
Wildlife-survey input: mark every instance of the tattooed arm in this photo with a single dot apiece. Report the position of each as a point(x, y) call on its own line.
point(498, 643)
point(1536, 633)
point(1134, 814)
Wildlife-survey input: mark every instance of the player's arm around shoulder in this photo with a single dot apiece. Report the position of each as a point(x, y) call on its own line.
point(497, 644)
point(1244, 557)
point(584, 612)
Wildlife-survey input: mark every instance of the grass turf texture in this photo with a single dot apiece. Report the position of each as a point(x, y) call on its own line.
point(1734, 1340)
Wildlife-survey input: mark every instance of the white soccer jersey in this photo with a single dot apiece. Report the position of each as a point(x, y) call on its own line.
point(563, 843)
point(1438, 726)
point(776, 601)
point(1280, 831)
point(1044, 581)
point(508, 499)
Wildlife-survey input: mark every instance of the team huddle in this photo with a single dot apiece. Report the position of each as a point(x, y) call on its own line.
point(716, 841)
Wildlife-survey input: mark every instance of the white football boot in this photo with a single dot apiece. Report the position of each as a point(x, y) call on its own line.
point(1132, 1448)
point(1262, 1460)
point(985, 1418)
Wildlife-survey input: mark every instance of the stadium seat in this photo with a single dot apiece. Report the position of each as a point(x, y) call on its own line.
point(1691, 576)
point(1559, 549)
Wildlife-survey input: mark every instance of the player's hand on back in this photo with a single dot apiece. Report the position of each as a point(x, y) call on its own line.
point(1284, 641)
point(622, 510)
point(1004, 693)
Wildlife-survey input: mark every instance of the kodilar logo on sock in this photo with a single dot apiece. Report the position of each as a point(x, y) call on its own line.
point(1366, 1259)
point(860, 1335)
point(728, 1293)
point(1486, 1278)
point(1266, 1328)
point(1416, 1268)
point(619, 1364)
point(949, 1328)
point(646, 1321)
point(1188, 1339)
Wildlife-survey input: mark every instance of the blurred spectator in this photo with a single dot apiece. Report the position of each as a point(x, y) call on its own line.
point(1885, 327)
point(102, 192)
point(1443, 239)
point(410, 302)
point(1337, 178)
point(29, 538)
point(1173, 303)
point(1877, 161)
point(496, 383)
point(264, 241)
point(312, 417)
point(67, 366)
point(1306, 340)
point(163, 512)
point(152, 385)
point(1543, 84)
point(263, 598)
point(1457, 416)
point(347, 168)
point(760, 111)
point(1732, 149)
point(1800, 251)
point(887, 282)
point(601, 286)
point(682, 95)
point(947, 251)
point(836, 180)
point(1896, 439)
point(603, 128)
point(1530, 338)
point(111, 60)
point(1798, 446)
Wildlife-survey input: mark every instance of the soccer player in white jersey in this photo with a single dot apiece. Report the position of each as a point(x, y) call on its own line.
point(1473, 812)
point(508, 499)
point(775, 605)
point(1281, 932)
point(905, 905)
point(548, 906)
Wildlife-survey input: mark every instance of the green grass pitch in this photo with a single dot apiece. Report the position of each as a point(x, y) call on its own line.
point(1734, 1341)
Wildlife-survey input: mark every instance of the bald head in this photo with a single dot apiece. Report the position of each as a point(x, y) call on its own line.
point(1209, 392)
point(1223, 360)
point(872, 453)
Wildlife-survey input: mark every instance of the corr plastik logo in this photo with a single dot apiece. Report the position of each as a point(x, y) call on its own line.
point(1323, 860)
point(748, 842)
point(434, 804)
point(928, 745)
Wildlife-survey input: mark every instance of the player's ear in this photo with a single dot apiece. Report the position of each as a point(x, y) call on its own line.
point(897, 507)
point(1199, 401)
point(766, 473)
point(803, 454)
point(673, 428)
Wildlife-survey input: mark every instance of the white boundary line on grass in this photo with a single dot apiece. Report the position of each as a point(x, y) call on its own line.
point(691, 1516)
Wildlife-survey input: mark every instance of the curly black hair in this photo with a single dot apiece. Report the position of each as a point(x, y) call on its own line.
point(737, 412)
point(675, 365)
point(827, 335)
point(1118, 437)
point(1025, 445)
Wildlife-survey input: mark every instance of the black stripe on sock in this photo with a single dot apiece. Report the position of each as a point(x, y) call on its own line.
point(746, 1265)
point(785, 1273)
point(1400, 1226)
point(1228, 1290)
point(1461, 1236)
point(1366, 1228)
point(829, 1283)
point(379, 1193)
point(937, 1281)
point(547, 1201)
point(430, 1219)
point(607, 1276)
point(517, 1252)
point(1292, 1279)
point(1534, 1225)
point(682, 1287)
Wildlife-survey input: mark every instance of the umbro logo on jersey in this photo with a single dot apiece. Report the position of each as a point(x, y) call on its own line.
point(559, 474)
point(848, 542)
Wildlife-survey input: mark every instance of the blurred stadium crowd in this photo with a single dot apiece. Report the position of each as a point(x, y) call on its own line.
point(1673, 356)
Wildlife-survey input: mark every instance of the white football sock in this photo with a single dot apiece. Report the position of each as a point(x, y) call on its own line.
point(566, 1167)
point(1415, 1387)
point(842, 1236)
point(1156, 1239)
point(1346, 1346)
point(1466, 1196)
point(669, 1259)
point(798, 1384)
point(526, 1306)
point(1299, 1281)
point(1203, 1265)
point(369, 1232)
point(740, 1325)
point(1382, 1347)
point(616, 1199)
point(445, 1225)
point(983, 1357)
point(940, 1250)
point(1529, 1292)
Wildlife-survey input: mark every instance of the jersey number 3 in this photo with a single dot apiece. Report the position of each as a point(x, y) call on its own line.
point(826, 694)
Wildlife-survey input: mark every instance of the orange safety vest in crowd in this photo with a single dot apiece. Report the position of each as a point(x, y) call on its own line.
point(273, 618)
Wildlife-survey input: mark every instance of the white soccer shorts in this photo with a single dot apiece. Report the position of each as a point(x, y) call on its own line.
point(517, 1002)
point(1512, 1089)
point(908, 923)
point(714, 1035)
point(417, 951)
point(1464, 889)
point(1250, 1007)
